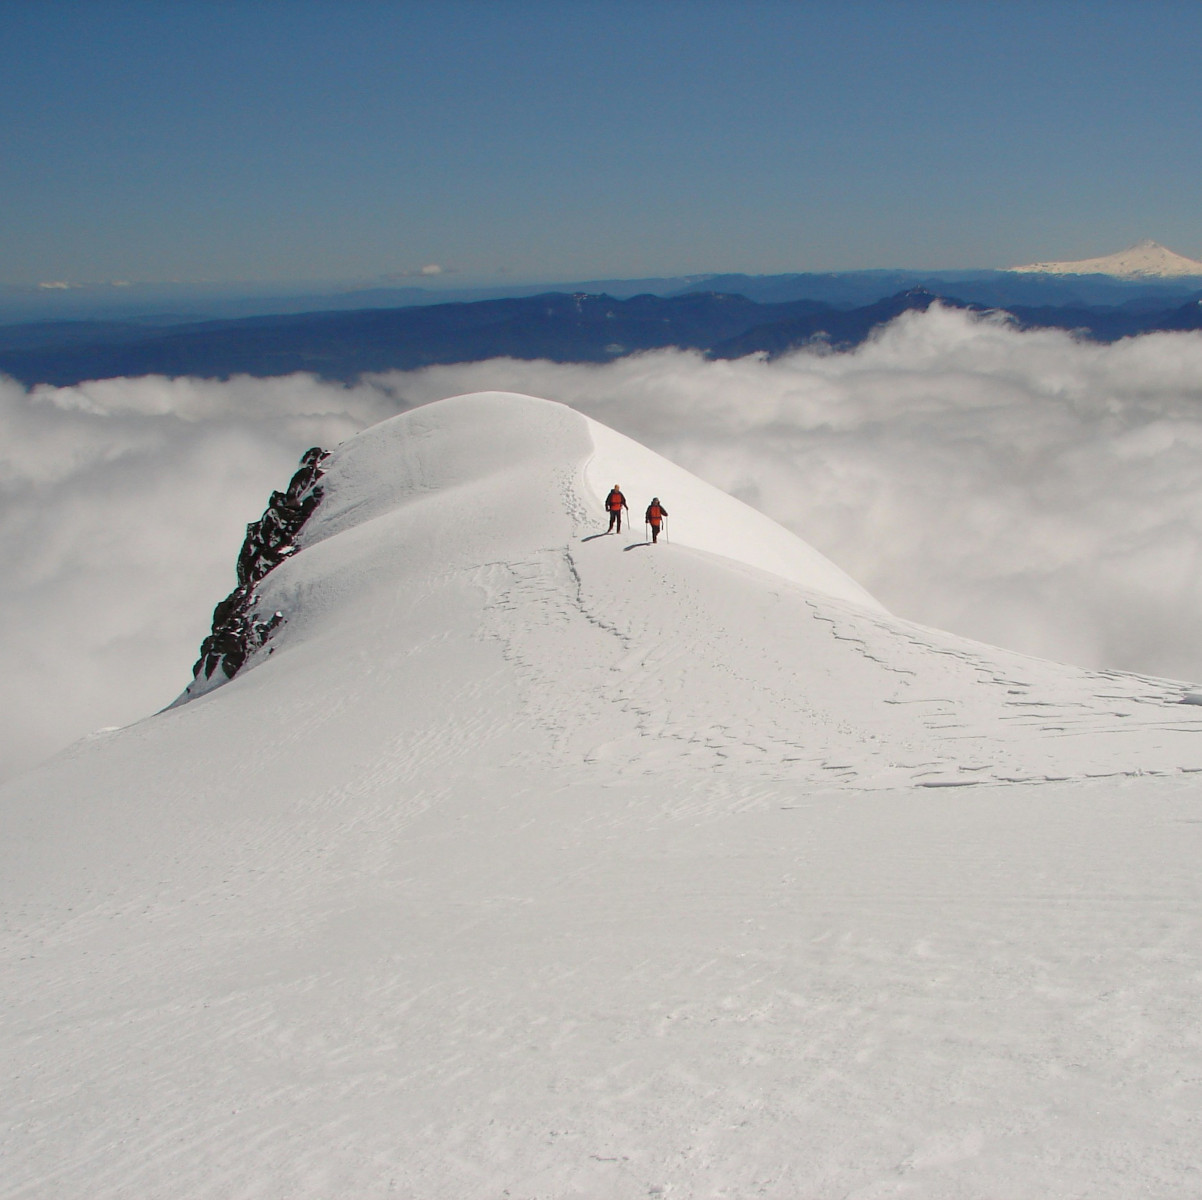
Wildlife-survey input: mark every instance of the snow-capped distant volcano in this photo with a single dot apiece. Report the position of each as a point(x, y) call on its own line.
point(525, 860)
point(1145, 260)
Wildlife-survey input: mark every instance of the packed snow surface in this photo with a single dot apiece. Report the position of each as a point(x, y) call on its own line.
point(1145, 260)
point(538, 862)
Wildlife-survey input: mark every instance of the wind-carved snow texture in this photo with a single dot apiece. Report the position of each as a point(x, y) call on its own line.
point(237, 630)
point(770, 684)
point(539, 862)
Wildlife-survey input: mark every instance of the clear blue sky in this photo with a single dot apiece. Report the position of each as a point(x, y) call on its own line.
point(531, 140)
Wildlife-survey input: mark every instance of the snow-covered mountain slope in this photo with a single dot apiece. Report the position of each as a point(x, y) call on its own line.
point(1145, 260)
point(531, 861)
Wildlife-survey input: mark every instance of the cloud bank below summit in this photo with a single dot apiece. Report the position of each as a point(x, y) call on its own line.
point(1021, 488)
point(123, 504)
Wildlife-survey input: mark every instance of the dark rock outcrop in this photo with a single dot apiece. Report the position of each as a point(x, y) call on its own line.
point(238, 630)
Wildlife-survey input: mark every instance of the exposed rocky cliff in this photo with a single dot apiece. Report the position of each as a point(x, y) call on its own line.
point(238, 628)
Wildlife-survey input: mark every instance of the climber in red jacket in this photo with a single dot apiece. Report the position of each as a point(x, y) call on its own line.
point(655, 517)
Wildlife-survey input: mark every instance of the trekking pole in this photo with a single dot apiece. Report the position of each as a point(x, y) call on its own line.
point(666, 538)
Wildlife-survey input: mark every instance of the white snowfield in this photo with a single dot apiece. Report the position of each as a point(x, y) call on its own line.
point(534, 862)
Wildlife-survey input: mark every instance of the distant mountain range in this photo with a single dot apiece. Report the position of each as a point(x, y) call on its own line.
point(1145, 274)
point(560, 327)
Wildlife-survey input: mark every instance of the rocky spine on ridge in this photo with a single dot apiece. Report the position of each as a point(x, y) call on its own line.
point(237, 631)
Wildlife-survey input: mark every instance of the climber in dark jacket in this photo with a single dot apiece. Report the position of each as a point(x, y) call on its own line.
point(614, 503)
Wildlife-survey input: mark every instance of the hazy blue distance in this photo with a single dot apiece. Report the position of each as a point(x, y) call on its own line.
point(504, 139)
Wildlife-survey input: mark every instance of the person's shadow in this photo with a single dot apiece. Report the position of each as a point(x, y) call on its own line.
point(635, 546)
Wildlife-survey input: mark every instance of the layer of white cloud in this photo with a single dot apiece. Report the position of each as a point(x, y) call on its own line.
point(1021, 488)
point(122, 508)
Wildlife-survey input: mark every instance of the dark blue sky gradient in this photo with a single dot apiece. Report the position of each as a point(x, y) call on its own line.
point(544, 141)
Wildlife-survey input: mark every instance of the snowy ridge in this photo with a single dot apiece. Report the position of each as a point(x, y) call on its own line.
point(539, 862)
point(1145, 260)
point(751, 649)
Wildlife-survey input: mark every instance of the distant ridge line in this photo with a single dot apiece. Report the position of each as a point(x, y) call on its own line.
point(579, 328)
